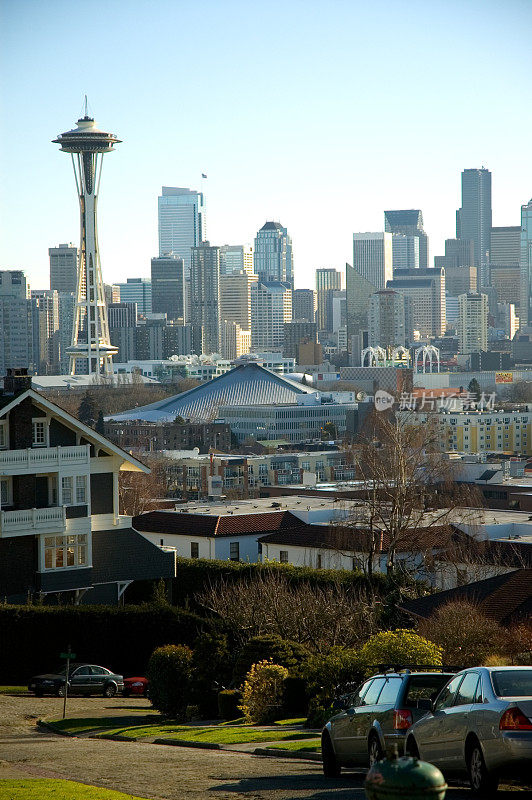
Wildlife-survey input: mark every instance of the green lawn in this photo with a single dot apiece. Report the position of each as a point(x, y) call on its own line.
point(37, 789)
point(312, 745)
point(214, 734)
point(13, 689)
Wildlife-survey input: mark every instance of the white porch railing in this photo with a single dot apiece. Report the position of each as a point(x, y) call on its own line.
point(44, 456)
point(40, 519)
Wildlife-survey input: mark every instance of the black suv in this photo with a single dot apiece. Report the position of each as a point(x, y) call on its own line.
point(375, 716)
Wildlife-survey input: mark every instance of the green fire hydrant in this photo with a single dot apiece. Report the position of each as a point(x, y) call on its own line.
point(407, 778)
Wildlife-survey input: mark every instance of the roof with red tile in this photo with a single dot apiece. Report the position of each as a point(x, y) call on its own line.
point(179, 522)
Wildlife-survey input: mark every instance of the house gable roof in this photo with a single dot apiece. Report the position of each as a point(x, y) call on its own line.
point(213, 525)
point(89, 433)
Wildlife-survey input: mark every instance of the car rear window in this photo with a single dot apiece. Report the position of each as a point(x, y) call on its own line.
point(512, 683)
point(370, 698)
point(424, 687)
point(389, 692)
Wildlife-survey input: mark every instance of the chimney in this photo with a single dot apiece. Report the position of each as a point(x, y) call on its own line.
point(17, 381)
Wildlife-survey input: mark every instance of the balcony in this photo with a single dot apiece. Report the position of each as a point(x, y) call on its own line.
point(40, 520)
point(37, 459)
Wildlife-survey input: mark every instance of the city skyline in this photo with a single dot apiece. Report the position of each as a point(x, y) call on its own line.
point(321, 172)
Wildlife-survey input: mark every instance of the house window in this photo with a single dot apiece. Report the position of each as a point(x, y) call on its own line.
point(81, 489)
point(283, 556)
point(194, 550)
point(67, 490)
point(3, 436)
point(65, 552)
point(6, 491)
point(234, 551)
point(39, 433)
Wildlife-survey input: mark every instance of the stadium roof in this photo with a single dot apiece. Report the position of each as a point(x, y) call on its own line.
point(245, 385)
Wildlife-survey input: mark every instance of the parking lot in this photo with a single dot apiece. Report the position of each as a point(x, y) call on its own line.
point(158, 771)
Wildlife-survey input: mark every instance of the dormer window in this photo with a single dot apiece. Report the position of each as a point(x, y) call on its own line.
point(40, 433)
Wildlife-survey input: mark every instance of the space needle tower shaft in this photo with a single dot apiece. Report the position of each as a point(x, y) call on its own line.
point(91, 351)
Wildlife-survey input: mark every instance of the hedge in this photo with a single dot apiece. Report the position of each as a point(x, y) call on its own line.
point(197, 574)
point(122, 639)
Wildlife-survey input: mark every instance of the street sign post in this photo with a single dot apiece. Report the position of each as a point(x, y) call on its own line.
point(68, 655)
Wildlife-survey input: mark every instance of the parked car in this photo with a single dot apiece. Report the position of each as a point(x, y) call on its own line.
point(135, 686)
point(82, 679)
point(376, 715)
point(480, 725)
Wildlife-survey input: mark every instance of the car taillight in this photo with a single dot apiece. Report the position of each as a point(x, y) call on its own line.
point(513, 719)
point(402, 719)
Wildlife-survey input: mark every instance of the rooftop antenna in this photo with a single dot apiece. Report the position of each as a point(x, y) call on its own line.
point(86, 113)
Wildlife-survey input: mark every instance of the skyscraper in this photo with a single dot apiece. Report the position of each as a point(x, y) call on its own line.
point(386, 319)
point(505, 247)
point(205, 298)
point(525, 306)
point(235, 298)
point(16, 339)
point(168, 292)
point(328, 281)
point(473, 219)
point(181, 222)
point(272, 257)
point(426, 288)
point(271, 307)
point(373, 257)
point(472, 322)
point(46, 333)
point(64, 267)
point(304, 305)
point(91, 350)
point(405, 249)
point(137, 290)
point(236, 258)
point(410, 223)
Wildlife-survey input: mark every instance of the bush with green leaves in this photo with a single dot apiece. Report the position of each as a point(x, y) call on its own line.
point(262, 692)
point(291, 655)
point(211, 670)
point(326, 676)
point(402, 647)
point(169, 673)
point(229, 703)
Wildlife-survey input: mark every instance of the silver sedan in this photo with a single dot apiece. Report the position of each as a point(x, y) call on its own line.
point(480, 725)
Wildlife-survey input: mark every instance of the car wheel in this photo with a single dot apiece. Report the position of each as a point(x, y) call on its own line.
point(110, 690)
point(374, 750)
point(61, 690)
point(331, 768)
point(482, 783)
point(411, 748)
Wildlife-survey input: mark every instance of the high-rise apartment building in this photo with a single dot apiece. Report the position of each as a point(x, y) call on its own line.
point(236, 258)
point(67, 302)
point(272, 256)
point(525, 306)
point(472, 322)
point(271, 307)
point(236, 341)
point(16, 324)
point(64, 261)
point(460, 279)
point(205, 298)
point(304, 305)
point(426, 288)
point(294, 334)
point(458, 253)
point(122, 329)
point(405, 251)
point(506, 280)
point(386, 319)
point(235, 298)
point(168, 291)
point(181, 222)
point(46, 333)
point(328, 281)
point(409, 222)
point(137, 290)
point(373, 257)
point(358, 290)
point(473, 219)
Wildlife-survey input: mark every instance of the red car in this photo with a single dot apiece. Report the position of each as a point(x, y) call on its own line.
point(135, 686)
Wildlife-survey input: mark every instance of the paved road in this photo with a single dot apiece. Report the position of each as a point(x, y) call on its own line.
point(160, 772)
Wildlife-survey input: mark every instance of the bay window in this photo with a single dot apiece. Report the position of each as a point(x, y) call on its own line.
point(65, 552)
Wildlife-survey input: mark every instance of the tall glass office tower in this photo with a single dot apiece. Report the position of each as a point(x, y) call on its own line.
point(272, 256)
point(181, 222)
point(525, 315)
point(473, 219)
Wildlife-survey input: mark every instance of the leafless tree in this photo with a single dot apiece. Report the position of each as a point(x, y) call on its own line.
point(317, 616)
point(139, 492)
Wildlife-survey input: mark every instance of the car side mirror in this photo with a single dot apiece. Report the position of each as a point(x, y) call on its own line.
point(425, 704)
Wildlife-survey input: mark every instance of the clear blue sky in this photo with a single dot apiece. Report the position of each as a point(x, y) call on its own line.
point(317, 114)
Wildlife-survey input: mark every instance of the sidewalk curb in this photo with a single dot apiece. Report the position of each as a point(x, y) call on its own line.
point(278, 752)
point(186, 743)
point(47, 726)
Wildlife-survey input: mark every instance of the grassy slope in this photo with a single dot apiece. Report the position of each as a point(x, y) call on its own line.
point(37, 789)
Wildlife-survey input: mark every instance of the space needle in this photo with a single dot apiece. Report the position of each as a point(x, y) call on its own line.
point(90, 333)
